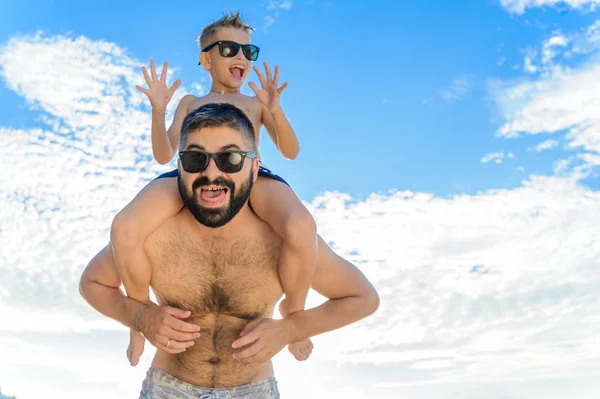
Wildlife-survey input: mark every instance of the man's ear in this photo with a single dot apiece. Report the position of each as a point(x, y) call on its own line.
point(205, 60)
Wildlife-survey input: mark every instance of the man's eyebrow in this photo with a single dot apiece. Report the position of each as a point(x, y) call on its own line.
point(230, 146)
point(195, 146)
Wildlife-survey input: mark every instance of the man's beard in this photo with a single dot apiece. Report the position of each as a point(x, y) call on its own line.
point(215, 217)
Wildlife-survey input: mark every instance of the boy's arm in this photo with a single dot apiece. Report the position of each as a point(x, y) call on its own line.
point(165, 142)
point(281, 132)
point(99, 286)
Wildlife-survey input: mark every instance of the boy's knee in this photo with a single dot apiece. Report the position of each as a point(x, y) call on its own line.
point(123, 231)
point(300, 226)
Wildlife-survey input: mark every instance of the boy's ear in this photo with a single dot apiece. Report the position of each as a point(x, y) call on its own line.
point(205, 60)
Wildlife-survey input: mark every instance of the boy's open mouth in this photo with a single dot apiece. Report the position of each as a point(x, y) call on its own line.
point(237, 71)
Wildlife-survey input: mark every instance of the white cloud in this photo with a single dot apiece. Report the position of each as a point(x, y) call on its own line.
point(279, 4)
point(486, 288)
point(269, 21)
point(457, 89)
point(563, 100)
point(545, 145)
point(274, 6)
point(496, 157)
point(520, 6)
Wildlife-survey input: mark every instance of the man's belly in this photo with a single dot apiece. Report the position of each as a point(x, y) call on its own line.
point(209, 362)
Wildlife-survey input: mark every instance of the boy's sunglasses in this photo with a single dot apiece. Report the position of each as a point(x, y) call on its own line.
point(229, 49)
point(227, 161)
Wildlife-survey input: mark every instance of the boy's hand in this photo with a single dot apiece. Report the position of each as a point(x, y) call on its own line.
point(269, 94)
point(158, 92)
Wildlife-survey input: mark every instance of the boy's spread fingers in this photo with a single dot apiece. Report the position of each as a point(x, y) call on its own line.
point(260, 77)
point(153, 71)
point(276, 77)
point(163, 74)
point(268, 70)
point(145, 72)
point(253, 87)
point(283, 87)
point(175, 86)
point(140, 88)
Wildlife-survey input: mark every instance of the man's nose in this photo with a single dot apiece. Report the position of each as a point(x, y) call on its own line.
point(212, 171)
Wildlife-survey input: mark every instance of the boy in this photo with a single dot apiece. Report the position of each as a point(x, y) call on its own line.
point(226, 55)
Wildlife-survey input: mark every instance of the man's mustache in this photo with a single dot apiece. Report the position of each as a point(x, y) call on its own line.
point(219, 181)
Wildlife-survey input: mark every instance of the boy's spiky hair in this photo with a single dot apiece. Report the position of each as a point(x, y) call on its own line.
point(229, 20)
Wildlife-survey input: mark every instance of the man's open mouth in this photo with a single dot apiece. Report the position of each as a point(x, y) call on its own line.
point(213, 194)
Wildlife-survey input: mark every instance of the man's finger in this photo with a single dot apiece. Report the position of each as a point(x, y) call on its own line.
point(248, 352)
point(181, 326)
point(163, 74)
point(153, 71)
point(174, 346)
point(248, 327)
point(181, 336)
point(146, 77)
point(179, 313)
point(260, 77)
point(246, 339)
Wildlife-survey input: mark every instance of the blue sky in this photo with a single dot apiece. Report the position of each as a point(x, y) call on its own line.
point(365, 82)
point(448, 149)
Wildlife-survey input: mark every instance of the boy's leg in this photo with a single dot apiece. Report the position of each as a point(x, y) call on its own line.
point(276, 203)
point(156, 203)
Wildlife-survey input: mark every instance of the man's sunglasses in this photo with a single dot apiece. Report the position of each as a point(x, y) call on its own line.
point(229, 49)
point(227, 161)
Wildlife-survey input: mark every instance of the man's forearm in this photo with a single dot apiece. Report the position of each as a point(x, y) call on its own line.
point(331, 315)
point(111, 302)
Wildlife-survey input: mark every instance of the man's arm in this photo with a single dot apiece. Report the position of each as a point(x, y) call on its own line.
point(100, 287)
point(351, 298)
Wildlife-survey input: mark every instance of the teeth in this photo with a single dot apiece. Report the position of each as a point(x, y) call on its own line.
point(239, 67)
point(213, 189)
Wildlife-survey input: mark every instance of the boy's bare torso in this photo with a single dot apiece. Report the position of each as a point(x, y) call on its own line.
point(250, 105)
point(224, 282)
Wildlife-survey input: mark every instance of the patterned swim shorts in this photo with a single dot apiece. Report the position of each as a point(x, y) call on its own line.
point(161, 385)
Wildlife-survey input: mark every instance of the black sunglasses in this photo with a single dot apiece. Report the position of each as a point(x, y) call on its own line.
point(227, 161)
point(229, 49)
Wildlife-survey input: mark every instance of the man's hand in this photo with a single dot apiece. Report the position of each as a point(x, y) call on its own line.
point(158, 92)
point(161, 325)
point(269, 94)
point(264, 338)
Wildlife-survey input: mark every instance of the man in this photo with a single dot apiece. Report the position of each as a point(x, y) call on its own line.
point(215, 266)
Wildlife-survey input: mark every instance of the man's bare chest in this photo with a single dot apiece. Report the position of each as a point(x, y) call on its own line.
point(235, 278)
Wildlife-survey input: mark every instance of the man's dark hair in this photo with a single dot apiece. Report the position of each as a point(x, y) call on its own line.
point(229, 20)
point(218, 115)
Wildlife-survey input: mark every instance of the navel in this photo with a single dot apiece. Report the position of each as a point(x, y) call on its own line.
point(214, 361)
